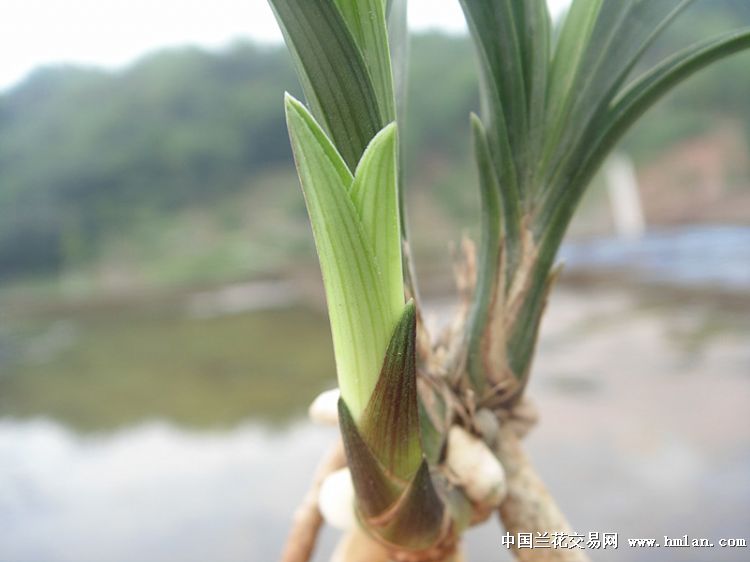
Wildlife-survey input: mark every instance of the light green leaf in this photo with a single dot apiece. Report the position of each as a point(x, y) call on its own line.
point(357, 304)
point(375, 196)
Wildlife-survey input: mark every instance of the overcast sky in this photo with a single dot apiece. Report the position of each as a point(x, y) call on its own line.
point(112, 33)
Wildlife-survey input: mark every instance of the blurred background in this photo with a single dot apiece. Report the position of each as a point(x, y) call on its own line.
point(162, 324)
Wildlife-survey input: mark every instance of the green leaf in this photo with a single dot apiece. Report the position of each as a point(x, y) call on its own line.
point(333, 72)
point(565, 67)
point(366, 20)
point(525, 333)
point(390, 422)
point(602, 135)
point(357, 302)
point(537, 60)
point(492, 25)
point(650, 87)
point(623, 112)
point(488, 263)
point(622, 33)
point(374, 490)
point(375, 196)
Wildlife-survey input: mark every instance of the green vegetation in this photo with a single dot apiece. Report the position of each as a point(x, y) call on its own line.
point(171, 166)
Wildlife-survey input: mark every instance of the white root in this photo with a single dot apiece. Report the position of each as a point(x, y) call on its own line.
point(473, 467)
point(324, 409)
point(336, 500)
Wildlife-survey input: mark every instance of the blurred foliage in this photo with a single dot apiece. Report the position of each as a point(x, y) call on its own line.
point(188, 148)
point(85, 153)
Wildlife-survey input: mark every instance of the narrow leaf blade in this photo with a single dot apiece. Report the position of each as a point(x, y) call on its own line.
point(333, 73)
point(354, 288)
point(566, 70)
point(538, 49)
point(622, 33)
point(637, 98)
point(375, 196)
point(488, 259)
point(366, 20)
point(499, 41)
point(498, 44)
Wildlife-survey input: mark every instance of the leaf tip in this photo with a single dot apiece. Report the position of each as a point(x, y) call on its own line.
point(478, 131)
point(410, 312)
point(386, 137)
point(292, 104)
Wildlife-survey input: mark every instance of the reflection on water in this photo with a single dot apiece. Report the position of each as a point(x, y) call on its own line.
point(158, 493)
point(152, 492)
point(645, 429)
point(695, 256)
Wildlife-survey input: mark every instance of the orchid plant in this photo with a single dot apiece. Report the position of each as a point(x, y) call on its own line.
point(431, 427)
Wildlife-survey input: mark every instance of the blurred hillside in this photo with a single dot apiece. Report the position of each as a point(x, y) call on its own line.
point(177, 169)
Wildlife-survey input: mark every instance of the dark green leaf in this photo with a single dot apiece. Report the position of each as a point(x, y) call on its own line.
point(537, 61)
point(500, 45)
point(569, 53)
point(366, 20)
point(624, 111)
point(333, 73)
point(488, 263)
point(622, 32)
point(500, 50)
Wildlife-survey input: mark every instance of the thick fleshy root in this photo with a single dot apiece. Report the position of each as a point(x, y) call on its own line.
point(529, 507)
